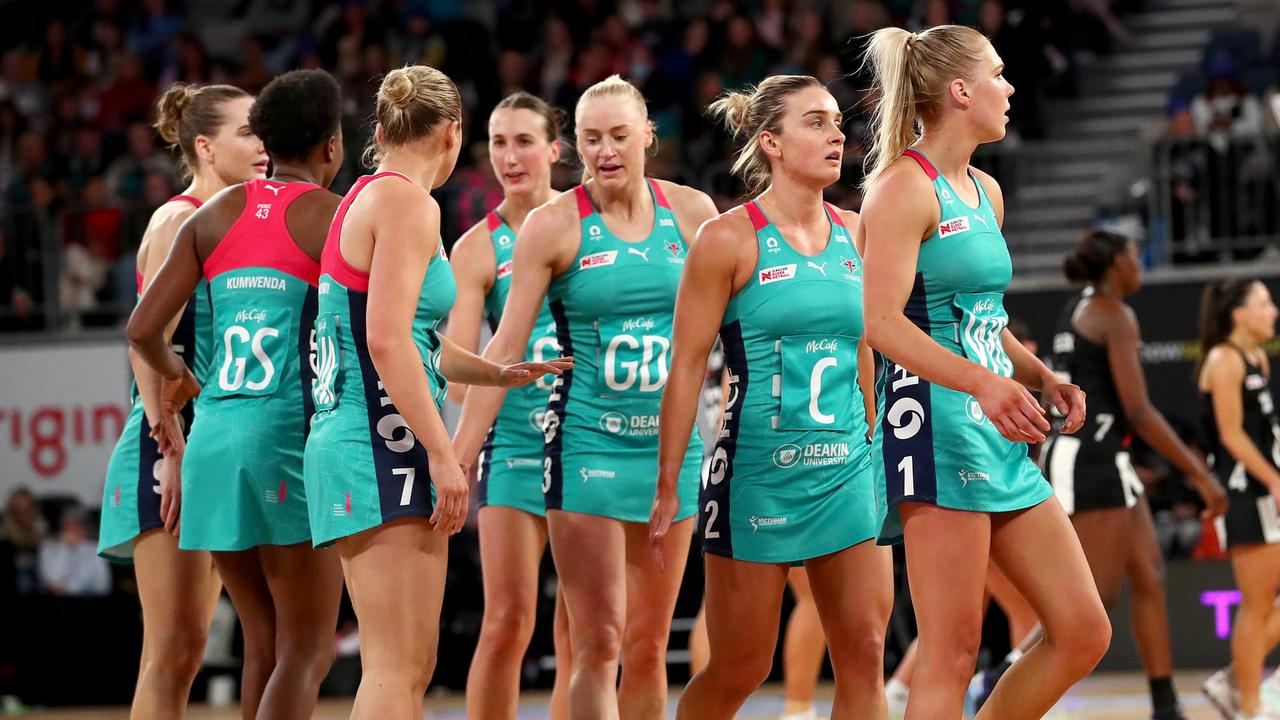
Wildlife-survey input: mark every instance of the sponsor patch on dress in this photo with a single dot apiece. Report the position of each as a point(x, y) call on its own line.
point(954, 225)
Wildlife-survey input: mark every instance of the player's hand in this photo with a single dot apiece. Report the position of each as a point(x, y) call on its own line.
point(666, 503)
point(465, 456)
point(522, 374)
point(171, 487)
point(176, 392)
point(1012, 409)
point(451, 493)
point(167, 432)
point(1213, 495)
point(1068, 400)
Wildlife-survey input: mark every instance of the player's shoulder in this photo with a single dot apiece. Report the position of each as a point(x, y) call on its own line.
point(685, 199)
point(478, 239)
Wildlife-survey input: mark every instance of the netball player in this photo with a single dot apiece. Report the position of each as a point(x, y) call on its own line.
point(1096, 346)
point(382, 481)
point(954, 406)
point(779, 280)
point(257, 246)
point(524, 144)
point(209, 126)
point(608, 255)
point(1234, 378)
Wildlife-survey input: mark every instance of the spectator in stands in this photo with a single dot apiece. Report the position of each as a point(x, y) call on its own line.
point(1188, 162)
point(556, 58)
point(77, 85)
point(1022, 48)
point(69, 564)
point(22, 531)
point(1226, 109)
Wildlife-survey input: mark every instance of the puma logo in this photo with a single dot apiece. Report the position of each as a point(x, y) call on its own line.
point(982, 220)
point(642, 253)
point(274, 190)
point(820, 268)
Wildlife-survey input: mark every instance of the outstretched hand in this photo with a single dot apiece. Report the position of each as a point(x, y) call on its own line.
point(522, 374)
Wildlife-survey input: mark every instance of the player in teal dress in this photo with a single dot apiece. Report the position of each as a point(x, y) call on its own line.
point(780, 280)
point(141, 494)
point(954, 410)
point(524, 144)
point(257, 246)
point(382, 481)
point(608, 257)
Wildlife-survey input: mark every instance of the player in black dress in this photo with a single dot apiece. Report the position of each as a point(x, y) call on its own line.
point(1236, 317)
point(1096, 344)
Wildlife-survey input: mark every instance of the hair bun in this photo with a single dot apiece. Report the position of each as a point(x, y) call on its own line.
point(398, 88)
point(169, 110)
point(1076, 269)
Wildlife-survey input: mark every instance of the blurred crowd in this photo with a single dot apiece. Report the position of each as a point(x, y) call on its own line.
point(1220, 145)
point(35, 561)
point(81, 168)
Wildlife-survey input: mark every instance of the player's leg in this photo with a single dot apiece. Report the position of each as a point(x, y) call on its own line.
point(395, 575)
point(595, 590)
point(178, 590)
point(650, 604)
point(738, 595)
point(803, 647)
point(853, 590)
point(246, 583)
point(306, 586)
point(511, 545)
point(1038, 551)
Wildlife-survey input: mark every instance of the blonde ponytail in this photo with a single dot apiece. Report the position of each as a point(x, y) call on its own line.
point(910, 71)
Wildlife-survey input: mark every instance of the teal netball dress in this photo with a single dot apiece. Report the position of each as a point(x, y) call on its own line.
point(131, 493)
point(790, 477)
point(934, 444)
point(510, 465)
point(364, 466)
point(613, 312)
point(242, 472)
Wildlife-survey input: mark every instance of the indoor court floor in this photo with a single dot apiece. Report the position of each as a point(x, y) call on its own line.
point(1117, 696)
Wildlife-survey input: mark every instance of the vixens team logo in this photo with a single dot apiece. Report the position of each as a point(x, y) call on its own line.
point(850, 267)
point(676, 250)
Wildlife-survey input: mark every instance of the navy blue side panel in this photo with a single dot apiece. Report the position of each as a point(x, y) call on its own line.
point(553, 420)
point(184, 335)
point(397, 454)
point(713, 501)
point(917, 309)
point(907, 428)
point(148, 484)
point(307, 354)
point(482, 473)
